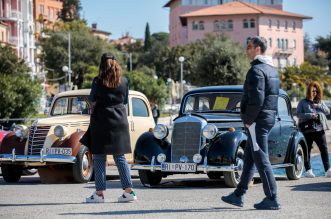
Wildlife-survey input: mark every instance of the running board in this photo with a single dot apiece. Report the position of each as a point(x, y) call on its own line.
point(283, 165)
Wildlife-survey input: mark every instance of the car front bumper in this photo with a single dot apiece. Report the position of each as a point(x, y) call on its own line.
point(205, 168)
point(33, 160)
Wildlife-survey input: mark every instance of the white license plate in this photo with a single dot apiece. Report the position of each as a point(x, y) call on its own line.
point(62, 151)
point(179, 167)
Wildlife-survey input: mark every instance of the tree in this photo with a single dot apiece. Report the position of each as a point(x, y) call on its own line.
point(302, 75)
point(19, 94)
point(218, 60)
point(155, 90)
point(70, 10)
point(323, 46)
point(147, 43)
point(86, 50)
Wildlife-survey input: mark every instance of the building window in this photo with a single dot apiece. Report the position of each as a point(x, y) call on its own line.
point(245, 23)
point(230, 25)
point(294, 44)
point(216, 25)
point(270, 23)
point(41, 9)
point(286, 25)
point(278, 24)
point(195, 25)
point(294, 25)
point(278, 43)
point(201, 25)
point(295, 61)
point(270, 42)
point(252, 23)
point(279, 63)
point(282, 44)
point(286, 44)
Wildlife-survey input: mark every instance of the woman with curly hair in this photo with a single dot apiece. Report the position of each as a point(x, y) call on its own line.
point(312, 109)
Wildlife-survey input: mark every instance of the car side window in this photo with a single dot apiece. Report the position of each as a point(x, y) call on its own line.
point(282, 107)
point(139, 108)
point(60, 106)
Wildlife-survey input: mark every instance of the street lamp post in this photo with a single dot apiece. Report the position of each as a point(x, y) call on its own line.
point(66, 69)
point(181, 60)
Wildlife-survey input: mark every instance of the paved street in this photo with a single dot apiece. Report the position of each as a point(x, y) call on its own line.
point(181, 196)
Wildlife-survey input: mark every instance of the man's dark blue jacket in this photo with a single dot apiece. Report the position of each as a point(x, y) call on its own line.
point(260, 98)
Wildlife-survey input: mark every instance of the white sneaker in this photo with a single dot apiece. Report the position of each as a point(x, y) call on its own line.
point(328, 173)
point(310, 174)
point(127, 197)
point(94, 198)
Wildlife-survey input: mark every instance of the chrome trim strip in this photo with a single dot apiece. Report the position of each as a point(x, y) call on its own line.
point(54, 158)
point(200, 168)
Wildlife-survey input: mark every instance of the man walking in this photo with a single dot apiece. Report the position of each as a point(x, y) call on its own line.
point(258, 111)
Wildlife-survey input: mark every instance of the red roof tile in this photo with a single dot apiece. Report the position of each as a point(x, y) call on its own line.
point(235, 8)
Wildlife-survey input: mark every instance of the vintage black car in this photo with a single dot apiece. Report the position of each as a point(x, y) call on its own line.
point(208, 137)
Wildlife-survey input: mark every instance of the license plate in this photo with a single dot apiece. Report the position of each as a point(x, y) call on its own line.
point(62, 151)
point(179, 167)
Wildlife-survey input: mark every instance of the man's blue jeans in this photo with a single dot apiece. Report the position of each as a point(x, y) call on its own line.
point(260, 160)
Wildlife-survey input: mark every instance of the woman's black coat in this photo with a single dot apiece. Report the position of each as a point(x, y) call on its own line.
point(109, 128)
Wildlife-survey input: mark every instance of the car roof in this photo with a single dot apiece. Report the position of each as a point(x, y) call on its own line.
point(86, 92)
point(223, 88)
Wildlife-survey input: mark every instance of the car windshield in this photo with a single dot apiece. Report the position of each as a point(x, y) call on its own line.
point(212, 103)
point(70, 105)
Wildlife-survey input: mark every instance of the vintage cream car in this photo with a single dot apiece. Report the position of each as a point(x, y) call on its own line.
point(52, 144)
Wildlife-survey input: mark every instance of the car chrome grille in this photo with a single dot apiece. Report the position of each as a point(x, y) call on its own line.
point(37, 137)
point(186, 140)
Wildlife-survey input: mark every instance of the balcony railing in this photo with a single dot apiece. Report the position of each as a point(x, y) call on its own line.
point(13, 15)
point(284, 51)
point(13, 40)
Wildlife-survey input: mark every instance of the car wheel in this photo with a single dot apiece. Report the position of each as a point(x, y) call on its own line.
point(295, 172)
point(30, 172)
point(232, 178)
point(214, 175)
point(148, 177)
point(11, 173)
point(83, 168)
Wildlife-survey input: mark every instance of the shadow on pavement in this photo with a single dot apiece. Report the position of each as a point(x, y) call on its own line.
point(313, 187)
point(161, 211)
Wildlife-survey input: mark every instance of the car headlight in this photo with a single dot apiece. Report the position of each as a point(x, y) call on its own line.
point(197, 158)
point(21, 131)
point(60, 131)
point(209, 131)
point(160, 131)
point(161, 158)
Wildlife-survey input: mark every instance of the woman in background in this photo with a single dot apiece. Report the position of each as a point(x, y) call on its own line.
point(314, 109)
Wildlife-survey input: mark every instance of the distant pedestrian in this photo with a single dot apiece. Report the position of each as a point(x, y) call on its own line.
point(258, 111)
point(109, 129)
point(312, 113)
point(155, 112)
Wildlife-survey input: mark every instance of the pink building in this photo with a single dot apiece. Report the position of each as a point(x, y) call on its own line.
point(240, 20)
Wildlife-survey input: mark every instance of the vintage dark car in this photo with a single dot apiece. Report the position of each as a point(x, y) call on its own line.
point(208, 137)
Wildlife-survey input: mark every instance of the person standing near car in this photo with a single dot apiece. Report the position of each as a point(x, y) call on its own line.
point(312, 111)
point(109, 128)
point(258, 112)
point(155, 112)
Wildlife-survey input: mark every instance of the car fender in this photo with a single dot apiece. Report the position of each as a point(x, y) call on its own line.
point(11, 141)
point(297, 137)
point(148, 146)
point(72, 142)
point(224, 149)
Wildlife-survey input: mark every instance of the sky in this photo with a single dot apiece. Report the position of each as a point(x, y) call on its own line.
point(121, 16)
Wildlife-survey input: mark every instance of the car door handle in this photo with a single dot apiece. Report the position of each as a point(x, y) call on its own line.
point(279, 119)
point(132, 126)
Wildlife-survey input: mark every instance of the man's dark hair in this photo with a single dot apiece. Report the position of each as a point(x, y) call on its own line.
point(261, 42)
